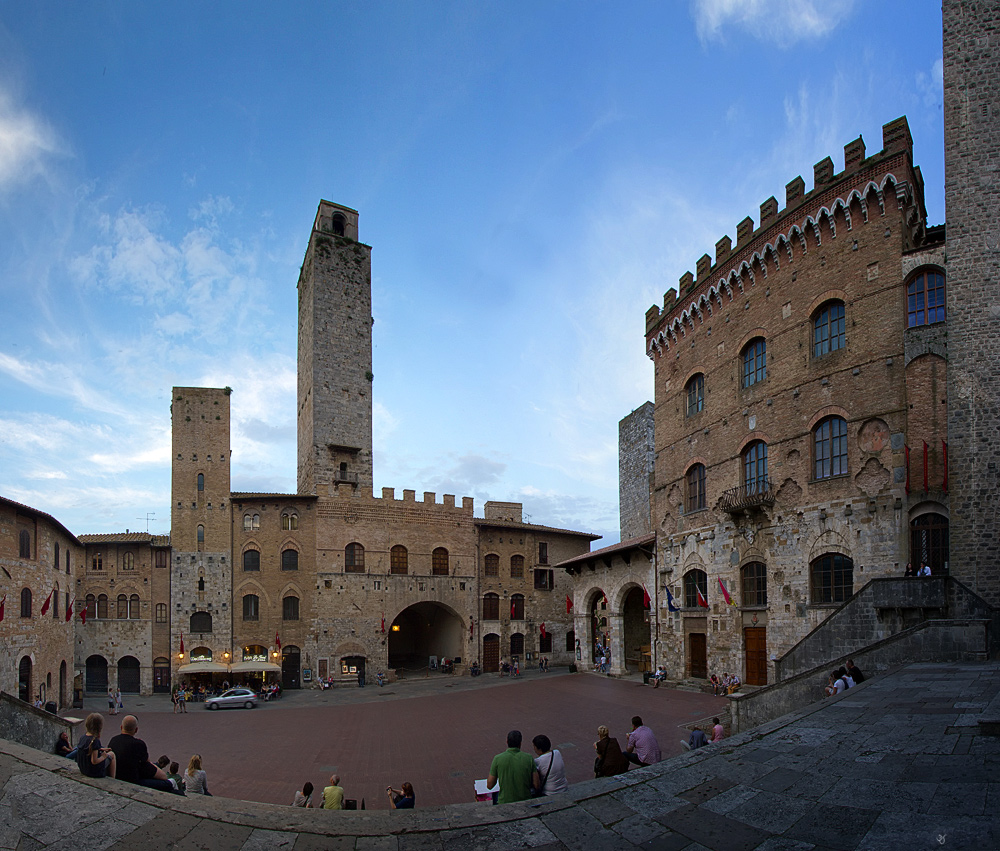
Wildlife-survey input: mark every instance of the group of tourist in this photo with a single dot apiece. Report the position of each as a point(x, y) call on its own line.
point(126, 758)
point(115, 701)
point(333, 798)
point(521, 776)
point(726, 684)
point(641, 748)
point(923, 570)
point(699, 738)
point(845, 677)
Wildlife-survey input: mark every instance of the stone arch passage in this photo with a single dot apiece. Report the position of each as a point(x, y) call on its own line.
point(97, 675)
point(635, 631)
point(423, 630)
point(24, 679)
point(598, 626)
point(128, 674)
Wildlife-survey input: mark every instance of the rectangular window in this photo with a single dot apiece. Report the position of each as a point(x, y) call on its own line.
point(543, 552)
point(162, 559)
point(161, 612)
point(543, 580)
point(545, 643)
point(696, 488)
point(695, 395)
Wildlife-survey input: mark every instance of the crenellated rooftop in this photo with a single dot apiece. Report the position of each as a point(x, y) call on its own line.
point(864, 183)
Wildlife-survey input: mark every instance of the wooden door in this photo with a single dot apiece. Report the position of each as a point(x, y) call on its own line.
point(491, 653)
point(755, 644)
point(698, 654)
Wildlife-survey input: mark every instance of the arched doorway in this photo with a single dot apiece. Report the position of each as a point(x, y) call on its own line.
point(62, 683)
point(128, 675)
point(290, 666)
point(929, 542)
point(635, 629)
point(97, 675)
point(597, 626)
point(161, 675)
point(424, 630)
point(491, 653)
point(24, 679)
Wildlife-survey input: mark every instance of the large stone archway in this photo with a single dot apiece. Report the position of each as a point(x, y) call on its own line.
point(423, 630)
point(636, 642)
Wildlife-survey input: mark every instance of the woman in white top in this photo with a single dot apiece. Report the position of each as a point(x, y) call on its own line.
point(550, 766)
point(196, 780)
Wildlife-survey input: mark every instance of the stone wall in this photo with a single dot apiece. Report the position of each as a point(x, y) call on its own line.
point(31, 727)
point(636, 459)
point(972, 193)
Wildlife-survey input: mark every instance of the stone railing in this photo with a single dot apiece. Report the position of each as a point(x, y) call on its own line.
point(20, 722)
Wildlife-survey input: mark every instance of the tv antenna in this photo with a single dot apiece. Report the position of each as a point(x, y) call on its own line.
point(149, 514)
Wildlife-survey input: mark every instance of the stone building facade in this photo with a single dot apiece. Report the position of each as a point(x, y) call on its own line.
point(801, 413)
point(636, 461)
point(971, 150)
point(39, 558)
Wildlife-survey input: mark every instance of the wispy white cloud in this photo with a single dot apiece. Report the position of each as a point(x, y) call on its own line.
point(28, 144)
point(930, 84)
point(780, 22)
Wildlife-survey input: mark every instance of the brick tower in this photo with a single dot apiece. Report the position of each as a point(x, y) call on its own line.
point(972, 195)
point(335, 356)
point(200, 525)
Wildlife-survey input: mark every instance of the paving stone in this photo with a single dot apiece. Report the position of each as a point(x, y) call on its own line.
point(580, 831)
point(29, 844)
point(915, 831)
point(420, 842)
point(265, 840)
point(759, 755)
point(771, 812)
point(730, 799)
point(371, 843)
point(781, 843)
point(713, 830)
point(164, 831)
point(670, 841)
point(214, 836)
point(779, 780)
point(607, 809)
point(96, 836)
point(814, 788)
point(639, 829)
point(960, 799)
point(647, 800)
point(512, 835)
point(707, 790)
point(831, 826)
point(881, 794)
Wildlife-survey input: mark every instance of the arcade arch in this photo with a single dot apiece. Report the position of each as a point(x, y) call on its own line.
point(423, 630)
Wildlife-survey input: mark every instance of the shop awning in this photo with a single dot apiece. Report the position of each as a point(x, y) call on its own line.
point(238, 667)
point(202, 668)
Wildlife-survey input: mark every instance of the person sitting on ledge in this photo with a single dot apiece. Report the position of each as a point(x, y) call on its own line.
point(698, 740)
point(63, 747)
point(610, 759)
point(132, 758)
point(333, 795)
point(718, 731)
point(402, 798)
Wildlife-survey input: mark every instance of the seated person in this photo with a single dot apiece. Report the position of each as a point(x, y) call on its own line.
point(63, 747)
point(698, 740)
point(610, 759)
point(734, 684)
point(132, 758)
point(716, 683)
point(402, 798)
point(718, 731)
point(94, 760)
point(659, 676)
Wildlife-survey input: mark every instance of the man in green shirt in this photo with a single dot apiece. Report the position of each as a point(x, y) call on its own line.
point(515, 770)
point(333, 795)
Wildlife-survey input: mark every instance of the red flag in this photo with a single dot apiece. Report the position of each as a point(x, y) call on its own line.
point(46, 604)
point(2, 604)
point(69, 610)
point(512, 609)
point(645, 597)
point(277, 641)
point(725, 593)
point(701, 599)
point(83, 615)
point(471, 626)
point(182, 642)
point(383, 623)
point(569, 604)
point(604, 600)
point(542, 627)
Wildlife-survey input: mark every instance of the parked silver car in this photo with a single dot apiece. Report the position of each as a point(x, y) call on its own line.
point(234, 697)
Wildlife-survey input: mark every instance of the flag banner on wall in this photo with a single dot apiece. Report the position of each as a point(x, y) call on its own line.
point(69, 610)
point(670, 601)
point(542, 628)
point(645, 597)
point(3, 603)
point(46, 604)
point(725, 594)
point(569, 604)
point(383, 623)
point(701, 599)
point(277, 642)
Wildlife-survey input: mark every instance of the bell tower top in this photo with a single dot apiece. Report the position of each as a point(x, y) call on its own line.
point(337, 220)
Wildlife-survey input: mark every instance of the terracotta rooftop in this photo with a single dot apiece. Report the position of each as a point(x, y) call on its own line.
point(607, 552)
point(513, 524)
point(27, 508)
point(251, 495)
point(126, 538)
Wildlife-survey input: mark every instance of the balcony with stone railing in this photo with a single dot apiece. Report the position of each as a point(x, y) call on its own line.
point(755, 495)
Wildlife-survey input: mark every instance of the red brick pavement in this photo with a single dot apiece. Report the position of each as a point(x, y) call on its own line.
point(440, 743)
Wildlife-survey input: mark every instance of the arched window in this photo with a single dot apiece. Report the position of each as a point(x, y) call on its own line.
point(695, 395)
point(754, 362)
point(133, 607)
point(201, 534)
point(161, 612)
point(831, 578)
point(290, 560)
point(24, 544)
point(517, 567)
point(201, 583)
point(492, 564)
point(202, 621)
point(128, 561)
point(91, 606)
point(695, 581)
point(251, 607)
point(517, 644)
point(830, 448)
point(755, 467)
point(122, 607)
point(25, 602)
point(439, 562)
point(828, 329)
point(201, 483)
point(290, 608)
point(251, 560)
point(337, 224)
point(491, 607)
point(929, 542)
point(289, 521)
point(754, 576)
point(399, 560)
point(696, 488)
point(247, 523)
point(55, 561)
point(97, 563)
point(256, 522)
point(517, 607)
point(925, 299)
point(570, 641)
point(354, 558)
point(55, 601)
point(102, 606)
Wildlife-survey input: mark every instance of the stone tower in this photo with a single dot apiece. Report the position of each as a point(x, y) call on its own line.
point(972, 196)
point(200, 524)
point(335, 356)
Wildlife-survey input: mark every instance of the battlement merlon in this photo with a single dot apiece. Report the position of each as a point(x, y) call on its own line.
point(896, 140)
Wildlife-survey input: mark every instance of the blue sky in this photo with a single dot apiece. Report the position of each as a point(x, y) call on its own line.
point(531, 176)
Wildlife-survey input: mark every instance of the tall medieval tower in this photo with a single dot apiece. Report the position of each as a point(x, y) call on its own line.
point(972, 196)
point(200, 523)
point(335, 356)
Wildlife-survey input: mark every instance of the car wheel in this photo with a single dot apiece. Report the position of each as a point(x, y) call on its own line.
point(249, 704)
point(213, 706)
